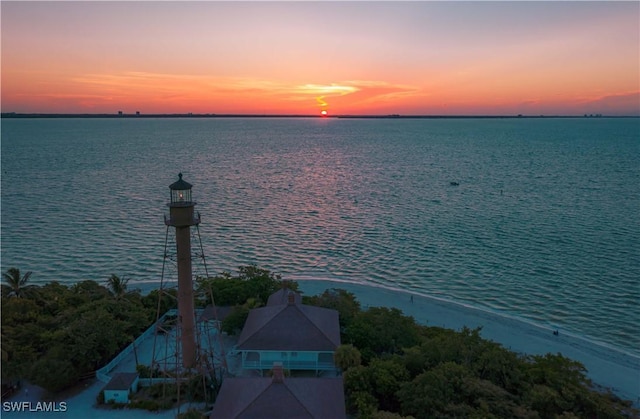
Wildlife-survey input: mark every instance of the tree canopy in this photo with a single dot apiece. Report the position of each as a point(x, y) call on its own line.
point(392, 367)
point(56, 334)
point(16, 282)
point(250, 281)
point(417, 371)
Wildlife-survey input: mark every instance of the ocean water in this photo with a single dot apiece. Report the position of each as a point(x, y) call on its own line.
point(543, 224)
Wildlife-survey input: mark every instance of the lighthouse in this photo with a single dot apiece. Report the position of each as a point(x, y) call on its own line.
point(182, 217)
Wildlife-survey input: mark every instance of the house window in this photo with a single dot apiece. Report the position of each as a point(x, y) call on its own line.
point(283, 354)
point(294, 354)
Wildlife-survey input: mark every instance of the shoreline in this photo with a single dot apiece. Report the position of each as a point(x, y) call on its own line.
point(607, 366)
point(479, 310)
point(147, 286)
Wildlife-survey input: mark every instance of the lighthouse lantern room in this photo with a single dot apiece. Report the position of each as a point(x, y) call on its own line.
point(180, 192)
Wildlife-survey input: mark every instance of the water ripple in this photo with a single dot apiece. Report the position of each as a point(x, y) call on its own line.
point(542, 224)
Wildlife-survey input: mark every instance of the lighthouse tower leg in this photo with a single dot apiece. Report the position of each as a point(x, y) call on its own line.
point(182, 217)
point(185, 297)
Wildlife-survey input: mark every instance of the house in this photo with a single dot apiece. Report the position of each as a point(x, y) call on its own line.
point(282, 297)
point(120, 387)
point(280, 397)
point(301, 336)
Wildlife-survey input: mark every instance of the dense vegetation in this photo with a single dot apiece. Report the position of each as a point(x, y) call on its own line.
point(249, 283)
point(249, 288)
point(53, 335)
point(394, 367)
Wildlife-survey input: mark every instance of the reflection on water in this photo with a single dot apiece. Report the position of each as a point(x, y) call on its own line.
point(541, 224)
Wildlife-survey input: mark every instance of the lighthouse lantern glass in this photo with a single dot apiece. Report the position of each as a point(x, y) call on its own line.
point(180, 195)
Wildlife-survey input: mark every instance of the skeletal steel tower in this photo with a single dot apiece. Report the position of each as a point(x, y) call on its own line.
point(182, 217)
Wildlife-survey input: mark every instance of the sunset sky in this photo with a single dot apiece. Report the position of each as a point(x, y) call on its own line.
point(297, 57)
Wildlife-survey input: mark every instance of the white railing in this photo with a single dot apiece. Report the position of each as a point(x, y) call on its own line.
point(292, 365)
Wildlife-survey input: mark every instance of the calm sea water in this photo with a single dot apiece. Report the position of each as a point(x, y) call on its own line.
point(543, 224)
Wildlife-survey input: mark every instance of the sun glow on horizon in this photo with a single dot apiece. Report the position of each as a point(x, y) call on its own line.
point(266, 65)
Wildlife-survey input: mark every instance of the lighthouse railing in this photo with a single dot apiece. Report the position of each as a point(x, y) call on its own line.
point(170, 221)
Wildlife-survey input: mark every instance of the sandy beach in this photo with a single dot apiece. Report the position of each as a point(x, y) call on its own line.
point(605, 366)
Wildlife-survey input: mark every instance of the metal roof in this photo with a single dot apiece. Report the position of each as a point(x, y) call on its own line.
point(180, 185)
point(291, 327)
point(262, 397)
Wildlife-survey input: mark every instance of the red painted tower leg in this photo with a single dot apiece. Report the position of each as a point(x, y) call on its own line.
point(182, 217)
point(185, 297)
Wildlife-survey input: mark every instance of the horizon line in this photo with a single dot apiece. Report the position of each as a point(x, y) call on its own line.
point(249, 115)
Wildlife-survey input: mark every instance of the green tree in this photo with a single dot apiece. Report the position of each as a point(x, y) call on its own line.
point(161, 300)
point(381, 380)
point(346, 356)
point(502, 367)
point(381, 330)
point(383, 414)
point(557, 371)
point(560, 385)
point(357, 380)
point(54, 374)
point(546, 401)
point(62, 333)
point(387, 375)
point(343, 301)
point(463, 347)
point(262, 282)
point(490, 400)
point(364, 404)
point(117, 285)
point(3, 345)
point(250, 282)
point(16, 281)
point(90, 289)
point(234, 322)
point(434, 392)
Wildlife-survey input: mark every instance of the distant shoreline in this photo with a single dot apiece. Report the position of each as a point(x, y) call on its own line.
point(213, 115)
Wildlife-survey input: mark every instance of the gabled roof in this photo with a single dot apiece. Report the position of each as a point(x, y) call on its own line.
point(291, 327)
point(258, 397)
point(121, 381)
point(282, 297)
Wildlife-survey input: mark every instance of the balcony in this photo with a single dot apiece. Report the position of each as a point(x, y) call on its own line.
point(291, 365)
point(182, 220)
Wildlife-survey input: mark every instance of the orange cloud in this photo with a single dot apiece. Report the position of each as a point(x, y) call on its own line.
point(168, 93)
point(155, 92)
